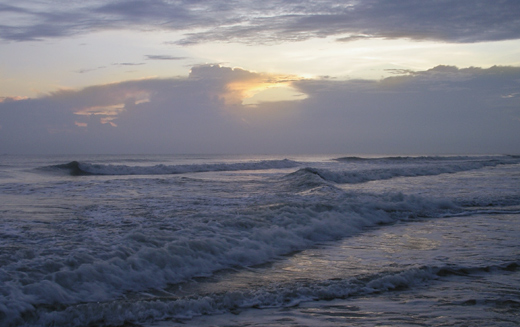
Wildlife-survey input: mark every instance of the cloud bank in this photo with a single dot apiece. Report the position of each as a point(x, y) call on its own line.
point(441, 110)
point(269, 21)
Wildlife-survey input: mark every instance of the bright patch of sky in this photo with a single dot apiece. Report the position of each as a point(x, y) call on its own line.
point(365, 59)
point(37, 67)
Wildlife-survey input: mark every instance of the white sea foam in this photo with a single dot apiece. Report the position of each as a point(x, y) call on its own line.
point(273, 295)
point(158, 254)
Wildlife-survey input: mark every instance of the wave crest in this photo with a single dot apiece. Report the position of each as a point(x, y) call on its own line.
point(75, 168)
point(383, 172)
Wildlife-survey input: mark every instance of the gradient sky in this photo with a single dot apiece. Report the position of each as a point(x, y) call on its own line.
point(271, 76)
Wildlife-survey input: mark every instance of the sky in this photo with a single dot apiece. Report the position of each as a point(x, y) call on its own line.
point(260, 77)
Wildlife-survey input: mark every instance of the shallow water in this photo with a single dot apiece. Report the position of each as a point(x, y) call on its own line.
point(420, 273)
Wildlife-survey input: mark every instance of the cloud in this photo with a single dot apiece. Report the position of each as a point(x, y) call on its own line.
point(441, 110)
point(197, 113)
point(163, 57)
point(88, 70)
point(9, 99)
point(270, 21)
point(128, 64)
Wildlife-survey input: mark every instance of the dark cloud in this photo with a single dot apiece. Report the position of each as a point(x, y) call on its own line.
point(441, 110)
point(272, 21)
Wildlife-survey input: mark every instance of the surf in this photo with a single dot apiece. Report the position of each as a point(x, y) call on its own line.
point(393, 167)
point(76, 168)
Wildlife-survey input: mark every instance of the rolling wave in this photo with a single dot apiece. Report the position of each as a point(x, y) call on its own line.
point(393, 171)
point(76, 168)
point(139, 260)
point(171, 306)
point(127, 277)
point(424, 158)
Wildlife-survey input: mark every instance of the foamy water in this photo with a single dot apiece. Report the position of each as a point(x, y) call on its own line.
point(165, 240)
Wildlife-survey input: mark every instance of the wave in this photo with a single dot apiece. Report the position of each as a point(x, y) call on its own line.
point(388, 172)
point(151, 258)
point(76, 168)
point(423, 158)
point(275, 295)
point(114, 265)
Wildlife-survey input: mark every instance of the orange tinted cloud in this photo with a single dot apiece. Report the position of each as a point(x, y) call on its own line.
point(110, 112)
point(80, 124)
point(15, 98)
point(238, 84)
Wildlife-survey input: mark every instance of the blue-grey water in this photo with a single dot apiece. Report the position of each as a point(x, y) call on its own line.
point(259, 240)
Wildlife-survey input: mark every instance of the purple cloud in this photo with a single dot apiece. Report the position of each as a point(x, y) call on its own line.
point(272, 21)
point(441, 110)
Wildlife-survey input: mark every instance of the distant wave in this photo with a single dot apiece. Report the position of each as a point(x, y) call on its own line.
point(373, 174)
point(76, 168)
point(424, 158)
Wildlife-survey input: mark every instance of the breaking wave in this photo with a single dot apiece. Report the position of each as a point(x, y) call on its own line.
point(117, 261)
point(388, 171)
point(140, 260)
point(424, 158)
point(274, 295)
point(76, 168)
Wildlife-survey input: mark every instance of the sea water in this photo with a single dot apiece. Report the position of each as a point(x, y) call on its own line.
point(259, 240)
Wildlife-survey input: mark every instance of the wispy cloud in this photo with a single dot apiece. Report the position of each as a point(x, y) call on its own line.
point(270, 21)
point(88, 70)
point(128, 64)
point(10, 99)
point(163, 57)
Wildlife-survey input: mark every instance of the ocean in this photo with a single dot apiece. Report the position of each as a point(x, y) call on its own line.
point(214, 240)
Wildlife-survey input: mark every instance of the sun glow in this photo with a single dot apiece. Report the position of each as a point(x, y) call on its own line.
point(262, 88)
point(272, 93)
